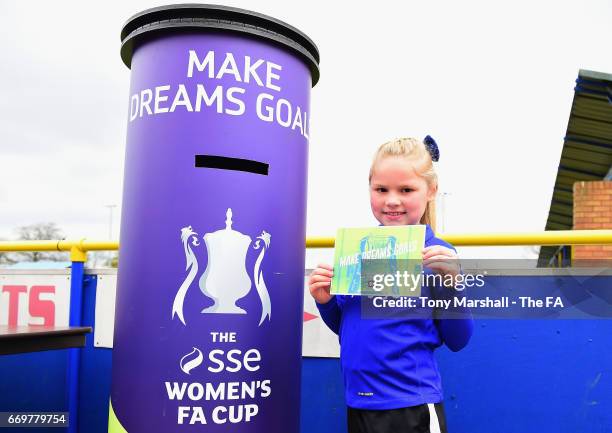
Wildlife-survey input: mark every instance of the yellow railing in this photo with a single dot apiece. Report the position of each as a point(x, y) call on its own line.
point(557, 237)
point(78, 249)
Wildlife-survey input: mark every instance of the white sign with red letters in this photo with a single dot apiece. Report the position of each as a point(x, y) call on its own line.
point(34, 297)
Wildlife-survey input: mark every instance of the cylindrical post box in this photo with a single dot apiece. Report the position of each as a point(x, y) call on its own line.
point(208, 326)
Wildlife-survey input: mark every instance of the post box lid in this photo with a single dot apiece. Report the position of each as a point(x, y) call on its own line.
point(204, 16)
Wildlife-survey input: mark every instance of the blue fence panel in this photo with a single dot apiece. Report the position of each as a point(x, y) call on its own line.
point(34, 382)
point(323, 406)
point(530, 376)
point(96, 362)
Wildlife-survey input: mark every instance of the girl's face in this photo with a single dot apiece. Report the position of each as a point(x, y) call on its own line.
point(398, 195)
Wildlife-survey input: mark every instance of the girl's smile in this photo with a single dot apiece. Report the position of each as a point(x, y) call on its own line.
point(394, 215)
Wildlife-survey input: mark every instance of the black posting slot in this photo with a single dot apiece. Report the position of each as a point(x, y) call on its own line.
point(227, 163)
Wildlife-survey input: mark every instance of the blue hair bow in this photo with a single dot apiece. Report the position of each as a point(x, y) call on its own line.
point(432, 148)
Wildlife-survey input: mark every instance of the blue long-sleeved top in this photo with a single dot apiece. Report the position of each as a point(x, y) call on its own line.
point(388, 363)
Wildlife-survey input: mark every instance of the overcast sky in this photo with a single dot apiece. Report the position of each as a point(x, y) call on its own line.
point(491, 81)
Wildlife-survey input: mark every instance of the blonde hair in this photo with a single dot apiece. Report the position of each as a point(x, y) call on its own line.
point(415, 151)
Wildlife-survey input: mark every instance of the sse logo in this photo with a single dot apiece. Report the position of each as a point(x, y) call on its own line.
point(23, 305)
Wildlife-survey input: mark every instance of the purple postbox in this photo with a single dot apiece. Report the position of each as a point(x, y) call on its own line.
point(208, 327)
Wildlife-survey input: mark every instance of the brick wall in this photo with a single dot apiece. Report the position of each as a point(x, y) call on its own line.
point(592, 210)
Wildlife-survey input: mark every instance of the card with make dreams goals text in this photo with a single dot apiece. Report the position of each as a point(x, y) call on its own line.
point(382, 261)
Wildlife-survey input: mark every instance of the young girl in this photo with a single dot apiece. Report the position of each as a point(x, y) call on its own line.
point(392, 383)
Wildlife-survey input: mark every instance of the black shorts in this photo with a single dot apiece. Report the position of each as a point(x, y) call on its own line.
point(426, 418)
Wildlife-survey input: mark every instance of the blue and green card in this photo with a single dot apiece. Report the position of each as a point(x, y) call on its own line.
point(382, 261)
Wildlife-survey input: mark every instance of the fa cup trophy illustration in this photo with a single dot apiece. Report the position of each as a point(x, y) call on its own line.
point(225, 279)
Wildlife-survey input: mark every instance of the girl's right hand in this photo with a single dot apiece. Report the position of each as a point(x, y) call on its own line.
point(319, 283)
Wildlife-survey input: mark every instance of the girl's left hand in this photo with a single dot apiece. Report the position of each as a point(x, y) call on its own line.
point(441, 260)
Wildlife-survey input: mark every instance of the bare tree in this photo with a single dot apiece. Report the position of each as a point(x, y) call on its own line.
point(101, 259)
point(40, 231)
point(114, 263)
point(5, 258)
